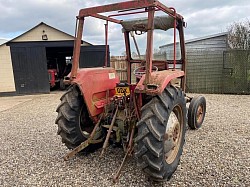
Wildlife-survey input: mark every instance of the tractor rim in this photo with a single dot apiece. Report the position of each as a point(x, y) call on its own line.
point(199, 114)
point(172, 138)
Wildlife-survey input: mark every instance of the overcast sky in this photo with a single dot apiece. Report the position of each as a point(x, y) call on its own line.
point(203, 17)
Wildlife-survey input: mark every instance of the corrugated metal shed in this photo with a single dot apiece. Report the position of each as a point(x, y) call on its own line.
point(205, 62)
point(211, 42)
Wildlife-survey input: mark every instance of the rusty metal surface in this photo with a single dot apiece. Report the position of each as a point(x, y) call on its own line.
point(77, 48)
point(118, 172)
point(125, 6)
point(183, 53)
point(129, 151)
point(175, 24)
point(106, 18)
point(117, 6)
point(200, 113)
point(98, 84)
point(149, 53)
point(160, 79)
point(109, 132)
point(128, 55)
point(149, 6)
point(106, 44)
point(167, 10)
point(172, 137)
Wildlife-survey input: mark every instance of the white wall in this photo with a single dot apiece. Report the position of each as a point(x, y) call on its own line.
point(7, 83)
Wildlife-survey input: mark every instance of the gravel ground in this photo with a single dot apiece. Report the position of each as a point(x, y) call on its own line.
point(31, 153)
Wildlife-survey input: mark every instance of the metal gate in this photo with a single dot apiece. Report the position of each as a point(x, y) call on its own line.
point(236, 72)
point(204, 71)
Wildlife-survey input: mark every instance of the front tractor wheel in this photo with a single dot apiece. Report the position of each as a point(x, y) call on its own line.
point(196, 112)
point(161, 134)
point(74, 123)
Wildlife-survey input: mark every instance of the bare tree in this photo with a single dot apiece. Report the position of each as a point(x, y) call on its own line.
point(239, 35)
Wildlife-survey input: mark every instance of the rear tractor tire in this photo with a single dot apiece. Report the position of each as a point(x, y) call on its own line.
point(74, 123)
point(161, 134)
point(196, 112)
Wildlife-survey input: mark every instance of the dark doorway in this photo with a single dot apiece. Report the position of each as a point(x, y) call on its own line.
point(59, 62)
point(93, 56)
point(58, 65)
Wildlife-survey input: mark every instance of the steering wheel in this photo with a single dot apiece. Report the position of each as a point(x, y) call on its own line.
point(141, 70)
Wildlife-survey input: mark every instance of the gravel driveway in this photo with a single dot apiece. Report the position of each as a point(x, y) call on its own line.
point(31, 153)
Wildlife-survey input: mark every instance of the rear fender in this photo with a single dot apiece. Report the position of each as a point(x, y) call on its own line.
point(157, 81)
point(94, 83)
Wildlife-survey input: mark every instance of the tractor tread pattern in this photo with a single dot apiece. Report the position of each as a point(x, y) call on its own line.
point(151, 163)
point(150, 145)
point(68, 118)
point(155, 131)
point(149, 150)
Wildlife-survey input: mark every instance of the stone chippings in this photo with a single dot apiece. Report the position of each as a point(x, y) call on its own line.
point(31, 153)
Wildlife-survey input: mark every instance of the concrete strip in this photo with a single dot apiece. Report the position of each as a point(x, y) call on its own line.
point(9, 102)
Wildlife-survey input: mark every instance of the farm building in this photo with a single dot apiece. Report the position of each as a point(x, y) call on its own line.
point(211, 42)
point(26, 59)
point(205, 56)
point(213, 67)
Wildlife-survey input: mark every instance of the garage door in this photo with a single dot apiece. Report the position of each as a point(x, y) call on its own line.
point(30, 71)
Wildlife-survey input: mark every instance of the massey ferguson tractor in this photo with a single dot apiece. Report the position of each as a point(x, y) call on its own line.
point(146, 118)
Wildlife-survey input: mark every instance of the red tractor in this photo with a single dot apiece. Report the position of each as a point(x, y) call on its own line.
point(147, 118)
point(52, 77)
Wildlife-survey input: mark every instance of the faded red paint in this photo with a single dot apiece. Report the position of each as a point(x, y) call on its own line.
point(52, 77)
point(117, 6)
point(77, 49)
point(159, 80)
point(94, 83)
